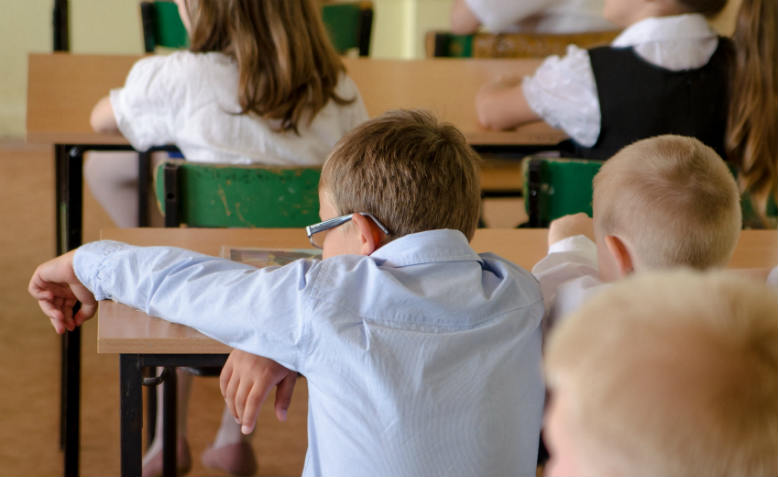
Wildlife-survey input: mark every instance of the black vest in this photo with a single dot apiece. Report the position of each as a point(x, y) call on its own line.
point(640, 100)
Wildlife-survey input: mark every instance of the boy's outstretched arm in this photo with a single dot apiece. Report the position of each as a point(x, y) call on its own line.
point(55, 285)
point(246, 380)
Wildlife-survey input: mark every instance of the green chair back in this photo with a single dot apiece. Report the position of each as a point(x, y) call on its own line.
point(555, 187)
point(349, 25)
point(211, 195)
point(162, 26)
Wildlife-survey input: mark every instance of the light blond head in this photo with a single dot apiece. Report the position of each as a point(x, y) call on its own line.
point(410, 171)
point(672, 200)
point(672, 373)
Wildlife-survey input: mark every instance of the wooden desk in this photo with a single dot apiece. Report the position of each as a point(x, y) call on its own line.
point(59, 102)
point(142, 340)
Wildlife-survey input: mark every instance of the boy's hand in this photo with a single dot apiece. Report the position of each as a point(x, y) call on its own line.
point(55, 285)
point(245, 381)
point(570, 226)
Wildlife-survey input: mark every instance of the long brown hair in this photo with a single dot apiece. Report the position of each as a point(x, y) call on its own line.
point(752, 129)
point(288, 69)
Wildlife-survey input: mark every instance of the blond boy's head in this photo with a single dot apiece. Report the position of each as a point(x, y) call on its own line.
point(667, 373)
point(671, 200)
point(408, 170)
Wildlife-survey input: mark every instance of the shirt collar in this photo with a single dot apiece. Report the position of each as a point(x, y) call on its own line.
point(442, 245)
point(691, 26)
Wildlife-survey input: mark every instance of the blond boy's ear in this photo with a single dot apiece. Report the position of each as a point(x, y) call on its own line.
point(621, 254)
point(370, 236)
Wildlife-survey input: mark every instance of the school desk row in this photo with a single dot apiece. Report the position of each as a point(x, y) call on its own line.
point(142, 340)
point(63, 88)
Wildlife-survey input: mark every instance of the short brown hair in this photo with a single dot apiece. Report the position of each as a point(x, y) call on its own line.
point(410, 171)
point(287, 68)
point(672, 373)
point(673, 199)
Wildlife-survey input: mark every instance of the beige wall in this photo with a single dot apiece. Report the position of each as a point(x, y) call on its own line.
point(24, 27)
point(113, 26)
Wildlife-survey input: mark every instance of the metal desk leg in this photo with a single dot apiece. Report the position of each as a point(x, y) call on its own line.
point(144, 182)
point(68, 165)
point(131, 414)
point(169, 438)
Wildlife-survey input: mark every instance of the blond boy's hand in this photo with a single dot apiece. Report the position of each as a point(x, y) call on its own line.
point(55, 285)
point(570, 226)
point(246, 380)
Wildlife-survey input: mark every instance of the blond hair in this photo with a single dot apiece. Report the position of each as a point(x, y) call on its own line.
point(752, 125)
point(410, 171)
point(672, 373)
point(672, 199)
point(288, 69)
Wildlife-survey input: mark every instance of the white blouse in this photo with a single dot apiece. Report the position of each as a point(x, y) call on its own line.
point(191, 100)
point(564, 93)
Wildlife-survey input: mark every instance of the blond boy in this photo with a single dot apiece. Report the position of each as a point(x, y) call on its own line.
point(658, 203)
point(421, 356)
point(666, 373)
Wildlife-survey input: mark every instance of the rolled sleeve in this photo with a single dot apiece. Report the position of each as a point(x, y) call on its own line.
point(564, 93)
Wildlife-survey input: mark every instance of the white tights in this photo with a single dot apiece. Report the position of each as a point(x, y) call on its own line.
point(112, 177)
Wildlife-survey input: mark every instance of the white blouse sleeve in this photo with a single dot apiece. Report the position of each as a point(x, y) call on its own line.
point(145, 106)
point(563, 92)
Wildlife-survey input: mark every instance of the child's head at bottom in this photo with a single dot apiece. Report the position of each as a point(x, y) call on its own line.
point(666, 373)
point(663, 202)
point(407, 170)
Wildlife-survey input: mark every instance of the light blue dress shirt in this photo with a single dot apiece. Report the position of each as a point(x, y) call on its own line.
point(421, 359)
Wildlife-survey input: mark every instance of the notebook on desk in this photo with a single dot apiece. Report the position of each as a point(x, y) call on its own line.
point(266, 257)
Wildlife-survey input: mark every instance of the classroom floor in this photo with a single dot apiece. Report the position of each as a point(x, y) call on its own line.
point(30, 350)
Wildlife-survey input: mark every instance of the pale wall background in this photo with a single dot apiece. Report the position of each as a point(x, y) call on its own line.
point(113, 26)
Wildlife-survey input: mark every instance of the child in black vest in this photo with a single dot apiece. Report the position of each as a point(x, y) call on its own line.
point(668, 72)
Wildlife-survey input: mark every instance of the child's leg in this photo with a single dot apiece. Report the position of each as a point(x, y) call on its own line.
point(152, 460)
point(231, 451)
point(112, 178)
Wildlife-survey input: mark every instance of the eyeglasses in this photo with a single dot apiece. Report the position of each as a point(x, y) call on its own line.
point(315, 231)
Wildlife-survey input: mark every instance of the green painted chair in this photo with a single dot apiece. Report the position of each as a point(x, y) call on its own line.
point(554, 187)
point(162, 26)
point(217, 195)
point(349, 25)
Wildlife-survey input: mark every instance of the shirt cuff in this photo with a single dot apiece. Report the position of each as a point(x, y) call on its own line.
point(89, 265)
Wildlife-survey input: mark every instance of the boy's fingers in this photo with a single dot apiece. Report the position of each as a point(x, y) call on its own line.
point(284, 393)
point(229, 395)
point(225, 375)
point(254, 400)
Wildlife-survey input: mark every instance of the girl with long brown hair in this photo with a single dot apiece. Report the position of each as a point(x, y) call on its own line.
point(260, 83)
point(752, 126)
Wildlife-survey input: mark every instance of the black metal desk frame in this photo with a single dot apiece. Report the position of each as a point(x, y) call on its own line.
point(69, 207)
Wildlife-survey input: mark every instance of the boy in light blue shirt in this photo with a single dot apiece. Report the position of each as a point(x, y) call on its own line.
point(421, 356)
